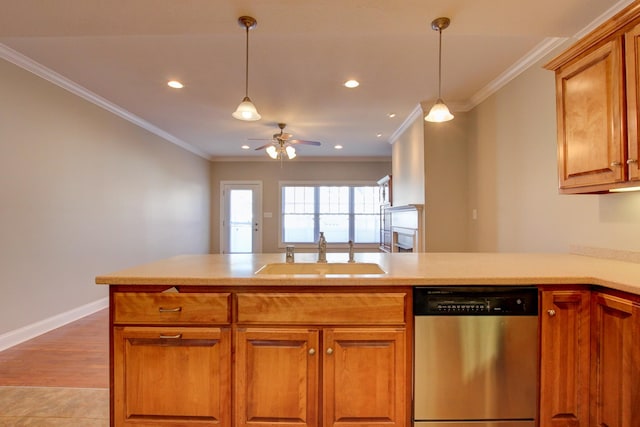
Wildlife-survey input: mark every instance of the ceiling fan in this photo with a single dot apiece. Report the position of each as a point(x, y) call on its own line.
point(282, 145)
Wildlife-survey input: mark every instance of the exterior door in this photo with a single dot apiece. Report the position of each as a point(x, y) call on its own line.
point(241, 225)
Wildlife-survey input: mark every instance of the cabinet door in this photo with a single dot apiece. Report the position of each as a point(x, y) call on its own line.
point(615, 399)
point(364, 377)
point(564, 354)
point(590, 103)
point(632, 52)
point(276, 377)
point(171, 376)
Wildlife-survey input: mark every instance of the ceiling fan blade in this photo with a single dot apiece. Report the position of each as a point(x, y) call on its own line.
point(259, 139)
point(303, 142)
point(263, 147)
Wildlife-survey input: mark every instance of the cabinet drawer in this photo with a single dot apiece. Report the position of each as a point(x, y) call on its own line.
point(171, 308)
point(322, 308)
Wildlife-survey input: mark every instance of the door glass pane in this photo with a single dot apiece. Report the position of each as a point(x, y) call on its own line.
point(241, 221)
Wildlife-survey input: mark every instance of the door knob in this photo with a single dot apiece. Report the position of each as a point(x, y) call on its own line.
point(312, 351)
point(329, 350)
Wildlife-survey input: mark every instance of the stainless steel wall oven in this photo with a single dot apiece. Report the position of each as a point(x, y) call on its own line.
point(475, 356)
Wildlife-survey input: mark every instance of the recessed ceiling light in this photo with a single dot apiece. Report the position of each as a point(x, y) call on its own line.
point(391, 115)
point(379, 134)
point(175, 84)
point(338, 147)
point(351, 84)
point(245, 147)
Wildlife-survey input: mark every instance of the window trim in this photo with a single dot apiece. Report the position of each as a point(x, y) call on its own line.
point(356, 183)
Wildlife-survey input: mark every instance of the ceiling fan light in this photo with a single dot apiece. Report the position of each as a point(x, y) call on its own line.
point(272, 151)
point(439, 113)
point(291, 152)
point(246, 111)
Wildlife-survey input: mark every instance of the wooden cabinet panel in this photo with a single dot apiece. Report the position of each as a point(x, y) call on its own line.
point(277, 372)
point(171, 376)
point(632, 56)
point(321, 308)
point(590, 103)
point(615, 375)
point(364, 377)
point(564, 376)
point(171, 308)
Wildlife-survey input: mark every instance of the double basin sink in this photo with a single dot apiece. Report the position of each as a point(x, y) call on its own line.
point(316, 268)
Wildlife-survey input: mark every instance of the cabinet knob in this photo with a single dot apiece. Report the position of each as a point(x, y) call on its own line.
point(629, 161)
point(312, 351)
point(615, 164)
point(329, 350)
point(551, 313)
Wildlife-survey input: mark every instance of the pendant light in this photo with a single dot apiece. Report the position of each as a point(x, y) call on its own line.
point(439, 112)
point(246, 110)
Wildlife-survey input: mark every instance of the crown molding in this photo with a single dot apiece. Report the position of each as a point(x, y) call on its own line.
point(51, 76)
point(415, 113)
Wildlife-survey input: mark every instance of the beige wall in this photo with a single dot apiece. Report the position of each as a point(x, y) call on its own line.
point(513, 180)
point(408, 165)
point(271, 173)
point(84, 192)
point(446, 185)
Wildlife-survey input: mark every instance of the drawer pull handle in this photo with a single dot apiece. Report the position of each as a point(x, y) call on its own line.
point(170, 310)
point(171, 337)
point(615, 164)
point(630, 161)
point(551, 313)
point(329, 350)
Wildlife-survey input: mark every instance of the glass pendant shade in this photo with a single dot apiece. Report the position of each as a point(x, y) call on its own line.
point(291, 152)
point(439, 112)
point(272, 151)
point(246, 111)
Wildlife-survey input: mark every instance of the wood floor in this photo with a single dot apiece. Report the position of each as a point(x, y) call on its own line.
point(75, 355)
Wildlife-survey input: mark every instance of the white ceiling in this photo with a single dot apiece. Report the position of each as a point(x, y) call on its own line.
point(120, 53)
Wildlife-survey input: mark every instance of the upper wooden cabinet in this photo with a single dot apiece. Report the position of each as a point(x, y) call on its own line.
point(597, 98)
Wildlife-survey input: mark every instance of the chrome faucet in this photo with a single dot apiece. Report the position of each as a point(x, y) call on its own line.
point(351, 257)
point(290, 255)
point(322, 248)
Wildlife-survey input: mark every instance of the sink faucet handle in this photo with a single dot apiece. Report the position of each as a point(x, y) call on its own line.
point(351, 255)
point(290, 254)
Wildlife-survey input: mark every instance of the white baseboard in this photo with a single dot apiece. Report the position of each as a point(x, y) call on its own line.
point(25, 333)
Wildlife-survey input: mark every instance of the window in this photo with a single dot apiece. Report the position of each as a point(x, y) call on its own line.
point(342, 212)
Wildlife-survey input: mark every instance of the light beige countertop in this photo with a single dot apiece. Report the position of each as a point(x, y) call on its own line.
point(401, 269)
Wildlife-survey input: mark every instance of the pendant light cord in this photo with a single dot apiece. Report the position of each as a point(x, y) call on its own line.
point(439, 63)
point(246, 69)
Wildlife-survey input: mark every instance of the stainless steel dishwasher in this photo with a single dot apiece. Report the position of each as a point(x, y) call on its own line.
point(475, 356)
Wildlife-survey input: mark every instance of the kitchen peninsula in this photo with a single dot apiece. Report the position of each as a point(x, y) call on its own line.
point(204, 340)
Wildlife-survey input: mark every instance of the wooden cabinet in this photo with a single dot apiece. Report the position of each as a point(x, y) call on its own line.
point(310, 357)
point(293, 371)
point(615, 369)
point(171, 362)
point(277, 377)
point(364, 377)
point(171, 376)
point(564, 354)
point(590, 366)
point(597, 107)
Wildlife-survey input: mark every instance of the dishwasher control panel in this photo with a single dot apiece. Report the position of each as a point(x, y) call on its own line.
point(469, 300)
